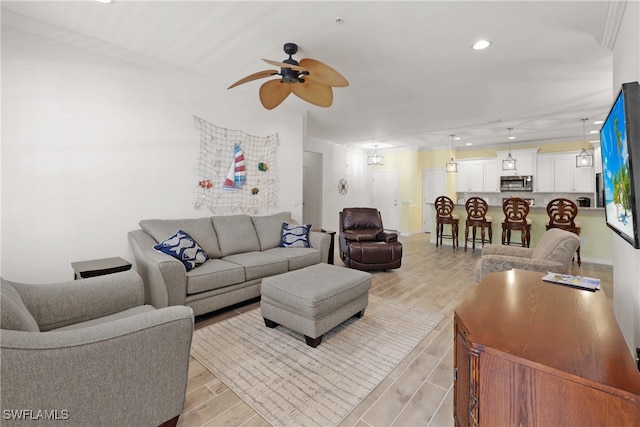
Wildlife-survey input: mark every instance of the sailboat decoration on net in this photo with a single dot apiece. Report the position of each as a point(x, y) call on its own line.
point(237, 174)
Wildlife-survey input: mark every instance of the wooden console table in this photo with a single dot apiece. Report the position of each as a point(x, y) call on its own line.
point(531, 353)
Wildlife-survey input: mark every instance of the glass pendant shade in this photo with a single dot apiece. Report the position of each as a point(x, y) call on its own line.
point(451, 166)
point(509, 164)
point(375, 160)
point(584, 159)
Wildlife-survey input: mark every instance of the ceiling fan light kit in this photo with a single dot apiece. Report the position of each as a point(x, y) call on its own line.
point(309, 79)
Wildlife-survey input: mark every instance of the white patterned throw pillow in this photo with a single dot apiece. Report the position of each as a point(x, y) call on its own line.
point(295, 236)
point(184, 248)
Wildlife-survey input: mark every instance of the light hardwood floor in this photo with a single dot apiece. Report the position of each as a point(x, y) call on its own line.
point(419, 391)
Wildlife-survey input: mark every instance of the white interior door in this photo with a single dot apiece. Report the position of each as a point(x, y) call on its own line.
point(384, 197)
point(433, 185)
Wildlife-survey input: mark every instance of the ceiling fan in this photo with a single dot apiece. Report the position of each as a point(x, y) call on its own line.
point(308, 79)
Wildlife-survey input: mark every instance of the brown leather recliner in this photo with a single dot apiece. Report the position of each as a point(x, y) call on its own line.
point(364, 245)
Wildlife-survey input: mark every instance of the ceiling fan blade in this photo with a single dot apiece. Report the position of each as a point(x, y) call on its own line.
point(254, 76)
point(284, 65)
point(315, 93)
point(323, 74)
point(272, 93)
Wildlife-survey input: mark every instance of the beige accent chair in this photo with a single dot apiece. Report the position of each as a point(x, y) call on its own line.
point(553, 253)
point(89, 353)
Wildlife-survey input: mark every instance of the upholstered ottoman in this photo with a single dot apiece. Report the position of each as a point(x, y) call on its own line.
point(314, 299)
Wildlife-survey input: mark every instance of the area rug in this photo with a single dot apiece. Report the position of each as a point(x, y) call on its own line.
point(292, 384)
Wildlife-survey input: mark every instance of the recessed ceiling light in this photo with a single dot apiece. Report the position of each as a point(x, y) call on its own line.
point(481, 44)
point(457, 138)
point(105, 1)
point(598, 122)
point(469, 143)
point(594, 131)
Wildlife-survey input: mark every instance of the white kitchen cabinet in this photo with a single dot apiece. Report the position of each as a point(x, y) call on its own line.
point(470, 176)
point(562, 174)
point(584, 179)
point(557, 173)
point(491, 181)
point(543, 179)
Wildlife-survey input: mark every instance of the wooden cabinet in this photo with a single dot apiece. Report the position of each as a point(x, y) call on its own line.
point(557, 173)
point(532, 353)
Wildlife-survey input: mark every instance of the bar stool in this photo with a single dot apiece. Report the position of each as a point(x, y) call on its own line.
point(444, 215)
point(562, 213)
point(477, 217)
point(515, 218)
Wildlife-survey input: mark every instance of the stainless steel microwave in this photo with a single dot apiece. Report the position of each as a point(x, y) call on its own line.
point(516, 183)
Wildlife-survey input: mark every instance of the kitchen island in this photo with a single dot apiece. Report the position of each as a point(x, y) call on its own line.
point(596, 238)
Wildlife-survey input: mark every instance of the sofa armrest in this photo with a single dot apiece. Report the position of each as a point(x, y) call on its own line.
point(55, 305)
point(387, 236)
point(322, 242)
point(350, 236)
point(130, 371)
point(164, 277)
point(492, 263)
point(514, 251)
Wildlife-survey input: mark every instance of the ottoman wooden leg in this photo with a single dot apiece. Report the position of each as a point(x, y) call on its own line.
point(359, 314)
point(313, 342)
point(270, 323)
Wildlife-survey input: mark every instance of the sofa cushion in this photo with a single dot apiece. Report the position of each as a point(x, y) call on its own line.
point(214, 274)
point(295, 236)
point(200, 229)
point(268, 228)
point(259, 264)
point(13, 313)
point(236, 234)
point(184, 248)
point(298, 257)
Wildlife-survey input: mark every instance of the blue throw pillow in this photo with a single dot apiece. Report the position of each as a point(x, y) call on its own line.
point(184, 248)
point(295, 236)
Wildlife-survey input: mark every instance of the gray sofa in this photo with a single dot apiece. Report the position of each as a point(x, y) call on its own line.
point(90, 353)
point(242, 249)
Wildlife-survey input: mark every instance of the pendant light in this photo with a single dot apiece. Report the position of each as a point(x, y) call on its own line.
point(509, 164)
point(375, 160)
point(451, 166)
point(584, 159)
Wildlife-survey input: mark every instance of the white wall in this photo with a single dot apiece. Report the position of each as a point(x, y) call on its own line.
point(341, 162)
point(92, 143)
point(626, 259)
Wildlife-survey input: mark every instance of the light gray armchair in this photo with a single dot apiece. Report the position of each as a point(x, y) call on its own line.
point(553, 253)
point(90, 353)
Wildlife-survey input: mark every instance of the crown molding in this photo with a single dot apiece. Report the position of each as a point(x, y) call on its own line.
point(615, 12)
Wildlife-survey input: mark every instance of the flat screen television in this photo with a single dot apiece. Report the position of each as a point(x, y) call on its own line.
point(620, 145)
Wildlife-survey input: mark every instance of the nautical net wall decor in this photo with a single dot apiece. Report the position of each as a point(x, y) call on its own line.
point(236, 172)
